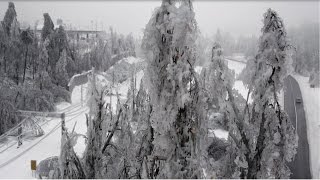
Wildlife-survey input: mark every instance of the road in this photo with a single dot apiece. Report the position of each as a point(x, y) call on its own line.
point(300, 167)
point(15, 163)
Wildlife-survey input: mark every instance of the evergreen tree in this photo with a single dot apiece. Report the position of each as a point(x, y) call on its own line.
point(27, 39)
point(48, 26)
point(264, 138)
point(9, 19)
point(169, 45)
point(215, 81)
point(57, 44)
point(96, 131)
point(145, 133)
point(218, 77)
point(43, 76)
point(70, 164)
point(61, 75)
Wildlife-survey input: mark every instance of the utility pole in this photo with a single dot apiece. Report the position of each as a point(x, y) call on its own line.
point(63, 123)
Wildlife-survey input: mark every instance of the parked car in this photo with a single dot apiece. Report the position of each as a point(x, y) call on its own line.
point(298, 100)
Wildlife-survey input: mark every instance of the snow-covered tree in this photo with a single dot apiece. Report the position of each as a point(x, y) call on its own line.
point(8, 110)
point(217, 77)
point(10, 22)
point(43, 79)
point(215, 80)
point(48, 26)
point(27, 39)
point(61, 75)
point(144, 132)
point(96, 132)
point(70, 165)
point(169, 43)
point(263, 137)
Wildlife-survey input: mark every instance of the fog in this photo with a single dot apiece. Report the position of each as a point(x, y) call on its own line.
point(236, 17)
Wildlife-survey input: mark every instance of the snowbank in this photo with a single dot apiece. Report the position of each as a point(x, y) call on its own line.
point(311, 100)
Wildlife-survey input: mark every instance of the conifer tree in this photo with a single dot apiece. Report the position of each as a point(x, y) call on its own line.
point(48, 26)
point(9, 19)
point(169, 45)
point(96, 131)
point(264, 137)
point(27, 39)
point(61, 75)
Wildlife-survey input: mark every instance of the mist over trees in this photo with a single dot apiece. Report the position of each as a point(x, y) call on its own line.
point(305, 39)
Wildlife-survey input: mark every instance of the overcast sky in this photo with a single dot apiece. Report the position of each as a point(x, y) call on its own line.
point(236, 17)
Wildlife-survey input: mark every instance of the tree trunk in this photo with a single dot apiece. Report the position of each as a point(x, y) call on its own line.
point(40, 79)
point(255, 165)
point(5, 61)
point(25, 65)
point(33, 68)
point(17, 72)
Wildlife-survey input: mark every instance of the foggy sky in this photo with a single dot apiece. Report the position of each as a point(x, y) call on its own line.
point(236, 17)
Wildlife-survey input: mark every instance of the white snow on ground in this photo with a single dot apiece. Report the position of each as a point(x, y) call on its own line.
point(198, 69)
point(236, 66)
point(76, 94)
point(311, 104)
point(133, 60)
point(238, 85)
point(122, 90)
point(219, 133)
point(281, 99)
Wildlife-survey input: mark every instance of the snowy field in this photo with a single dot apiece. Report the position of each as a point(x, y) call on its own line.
point(311, 100)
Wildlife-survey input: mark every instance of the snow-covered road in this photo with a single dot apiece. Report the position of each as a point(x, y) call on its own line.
point(311, 105)
point(15, 162)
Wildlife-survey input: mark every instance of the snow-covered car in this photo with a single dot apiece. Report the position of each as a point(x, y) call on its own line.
point(48, 167)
